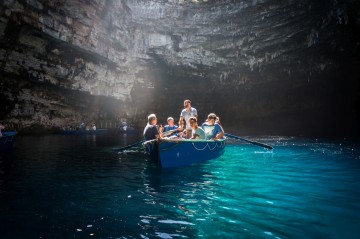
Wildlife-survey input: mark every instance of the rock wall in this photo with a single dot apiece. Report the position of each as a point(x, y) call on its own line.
point(265, 66)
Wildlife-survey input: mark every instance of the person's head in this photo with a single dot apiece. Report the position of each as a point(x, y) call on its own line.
point(152, 119)
point(170, 121)
point(212, 118)
point(187, 104)
point(193, 122)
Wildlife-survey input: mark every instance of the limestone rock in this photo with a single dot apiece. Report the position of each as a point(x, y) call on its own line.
point(256, 63)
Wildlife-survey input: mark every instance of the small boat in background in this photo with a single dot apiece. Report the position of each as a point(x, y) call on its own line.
point(176, 153)
point(124, 128)
point(82, 132)
point(7, 140)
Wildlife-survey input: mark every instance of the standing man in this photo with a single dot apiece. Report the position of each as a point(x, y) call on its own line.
point(186, 113)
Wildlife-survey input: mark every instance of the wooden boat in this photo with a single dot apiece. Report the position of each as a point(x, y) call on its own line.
point(7, 140)
point(83, 132)
point(175, 153)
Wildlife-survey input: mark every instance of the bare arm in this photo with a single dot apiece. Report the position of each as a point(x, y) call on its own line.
point(181, 123)
point(220, 134)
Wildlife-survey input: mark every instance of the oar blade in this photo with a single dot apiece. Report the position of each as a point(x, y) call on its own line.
point(249, 141)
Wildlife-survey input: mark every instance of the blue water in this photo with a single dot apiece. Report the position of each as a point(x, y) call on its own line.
point(76, 187)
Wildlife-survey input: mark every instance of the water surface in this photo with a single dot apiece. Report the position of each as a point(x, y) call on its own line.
point(56, 186)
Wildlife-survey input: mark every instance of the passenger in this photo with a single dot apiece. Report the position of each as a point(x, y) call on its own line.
point(1, 127)
point(170, 126)
point(197, 132)
point(93, 127)
point(212, 127)
point(87, 128)
point(151, 130)
point(186, 113)
point(82, 126)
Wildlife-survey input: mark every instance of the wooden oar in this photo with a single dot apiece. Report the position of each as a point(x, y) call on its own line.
point(149, 141)
point(249, 141)
point(167, 133)
point(129, 146)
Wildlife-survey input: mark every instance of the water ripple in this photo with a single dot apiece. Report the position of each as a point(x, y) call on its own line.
point(56, 187)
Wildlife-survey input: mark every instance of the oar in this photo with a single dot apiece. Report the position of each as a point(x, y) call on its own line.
point(167, 133)
point(149, 141)
point(249, 141)
point(129, 146)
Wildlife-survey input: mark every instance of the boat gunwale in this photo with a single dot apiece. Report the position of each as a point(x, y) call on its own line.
point(190, 140)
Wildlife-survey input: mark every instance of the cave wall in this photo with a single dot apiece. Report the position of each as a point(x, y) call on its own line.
point(62, 63)
point(264, 66)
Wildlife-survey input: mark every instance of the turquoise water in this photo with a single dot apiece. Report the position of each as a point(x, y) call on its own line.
point(76, 187)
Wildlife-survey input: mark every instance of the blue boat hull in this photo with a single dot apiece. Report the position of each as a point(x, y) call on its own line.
point(177, 153)
point(7, 140)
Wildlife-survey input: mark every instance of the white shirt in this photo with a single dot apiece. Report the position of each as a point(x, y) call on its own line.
point(187, 114)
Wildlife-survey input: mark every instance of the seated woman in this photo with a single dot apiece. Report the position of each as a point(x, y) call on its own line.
point(197, 132)
point(212, 127)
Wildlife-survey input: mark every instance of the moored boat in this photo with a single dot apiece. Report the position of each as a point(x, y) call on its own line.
point(7, 140)
point(176, 153)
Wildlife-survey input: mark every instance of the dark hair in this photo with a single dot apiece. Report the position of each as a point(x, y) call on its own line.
point(193, 119)
point(212, 116)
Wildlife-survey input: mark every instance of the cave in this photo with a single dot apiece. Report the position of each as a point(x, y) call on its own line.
point(265, 67)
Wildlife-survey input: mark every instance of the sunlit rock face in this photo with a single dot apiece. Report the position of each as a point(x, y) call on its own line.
point(264, 66)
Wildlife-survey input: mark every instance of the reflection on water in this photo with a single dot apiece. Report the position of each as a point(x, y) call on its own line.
point(66, 186)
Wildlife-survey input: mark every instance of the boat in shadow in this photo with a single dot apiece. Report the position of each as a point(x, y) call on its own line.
point(7, 140)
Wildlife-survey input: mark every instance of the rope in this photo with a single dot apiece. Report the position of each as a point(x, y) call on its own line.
point(207, 144)
point(222, 144)
point(217, 144)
